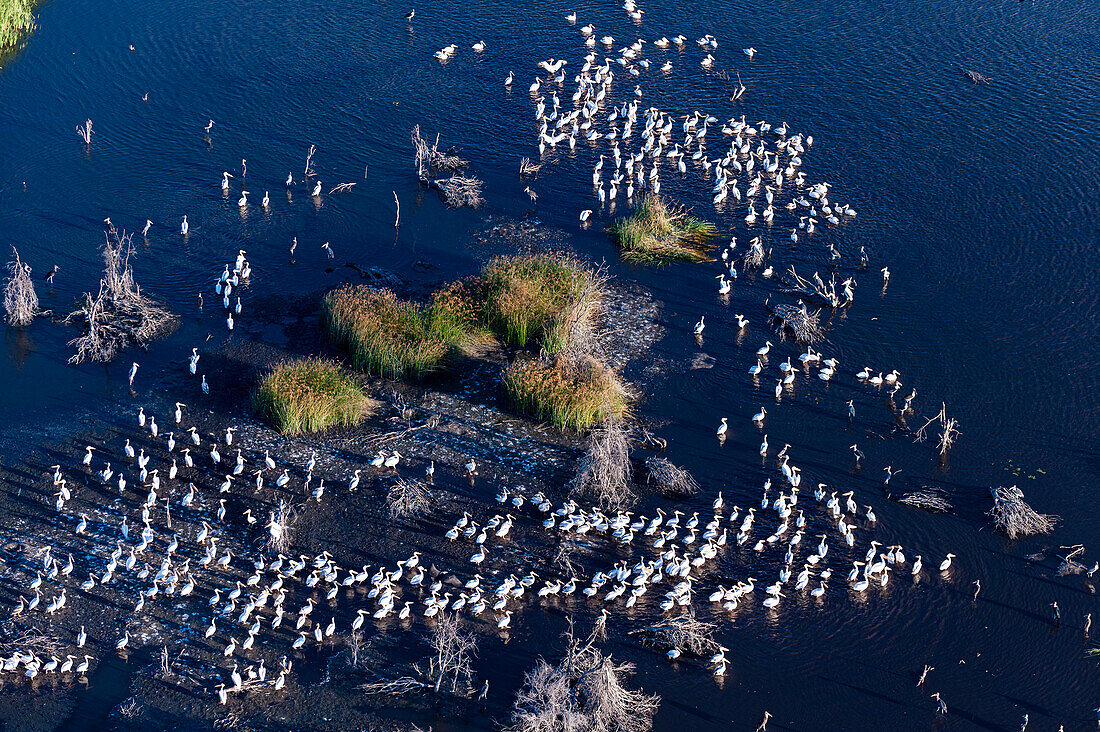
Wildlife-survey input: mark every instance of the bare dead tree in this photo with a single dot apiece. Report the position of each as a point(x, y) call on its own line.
point(584, 692)
point(407, 497)
point(279, 526)
point(755, 256)
point(429, 157)
point(458, 190)
point(119, 315)
point(1015, 517)
point(85, 132)
point(20, 299)
point(604, 470)
point(454, 653)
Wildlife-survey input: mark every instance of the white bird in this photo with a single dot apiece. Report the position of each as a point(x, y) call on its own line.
point(722, 427)
point(698, 330)
point(946, 563)
point(750, 51)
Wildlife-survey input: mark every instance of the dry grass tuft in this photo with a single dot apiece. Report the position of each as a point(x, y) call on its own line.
point(566, 390)
point(310, 395)
point(658, 231)
point(671, 481)
point(388, 336)
point(541, 297)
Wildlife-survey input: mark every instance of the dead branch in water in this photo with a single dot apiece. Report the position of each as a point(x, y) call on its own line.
point(604, 470)
point(1069, 565)
point(670, 480)
point(28, 639)
point(584, 691)
point(1014, 517)
point(308, 170)
point(755, 256)
point(526, 167)
point(85, 132)
point(814, 287)
point(342, 188)
point(927, 499)
point(20, 299)
point(949, 430)
point(457, 190)
point(977, 78)
point(799, 321)
point(119, 315)
point(394, 687)
point(684, 633)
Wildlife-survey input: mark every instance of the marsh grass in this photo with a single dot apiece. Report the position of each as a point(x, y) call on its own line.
point(16, 20)
point(539, 298)
point(391, 337)
point(568, 391)
point(658, 231)
point(310, 395)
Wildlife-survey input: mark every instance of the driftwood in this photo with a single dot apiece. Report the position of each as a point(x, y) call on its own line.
point(85, 132)
point(604, 470)
point(1069, 565)
point(927, 499)
point(20, 299)
point(1014, 517)
point(669, 479)
point(342, 188)
point(119, 315)
point(977, 78)
point(804, 325)
point(684, 633)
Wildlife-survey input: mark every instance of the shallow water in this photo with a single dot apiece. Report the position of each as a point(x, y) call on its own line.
point(978, 197)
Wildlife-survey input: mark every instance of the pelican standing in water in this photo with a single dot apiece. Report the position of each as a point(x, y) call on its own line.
point(184, 227)
point(133, 372)
point(700, 325)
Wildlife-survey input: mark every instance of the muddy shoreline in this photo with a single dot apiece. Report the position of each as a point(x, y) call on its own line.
point(450, 418)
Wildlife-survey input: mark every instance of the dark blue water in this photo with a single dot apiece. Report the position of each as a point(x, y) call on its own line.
point(980, 198)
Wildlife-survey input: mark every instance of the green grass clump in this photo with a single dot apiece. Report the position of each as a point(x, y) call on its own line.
point(16, 19)
point(540, 297)
point(310, 395)
point(568, 392)
point(391, 337)
point(660, 232)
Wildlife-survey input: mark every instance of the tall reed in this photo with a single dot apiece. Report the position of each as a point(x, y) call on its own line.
point(657, 232)
point(573, 392)
point(310, 395)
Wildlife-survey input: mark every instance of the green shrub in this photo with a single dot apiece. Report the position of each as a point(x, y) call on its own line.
point(16, 19)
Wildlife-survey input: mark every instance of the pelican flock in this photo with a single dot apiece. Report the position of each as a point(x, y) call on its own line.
point(196, 536)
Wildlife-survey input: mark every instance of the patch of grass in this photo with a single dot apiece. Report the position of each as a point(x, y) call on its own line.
point(16, 20)
point(391, 337)
point(658, 231)
point(567, 391)
point(540, 297)
point(310, 395)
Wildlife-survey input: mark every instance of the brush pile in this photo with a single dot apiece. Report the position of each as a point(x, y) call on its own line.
point(119, 315)
point(670, 481)
point(684, 632)
point(804, 325)
point(407, 497)
point(1014, 517)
